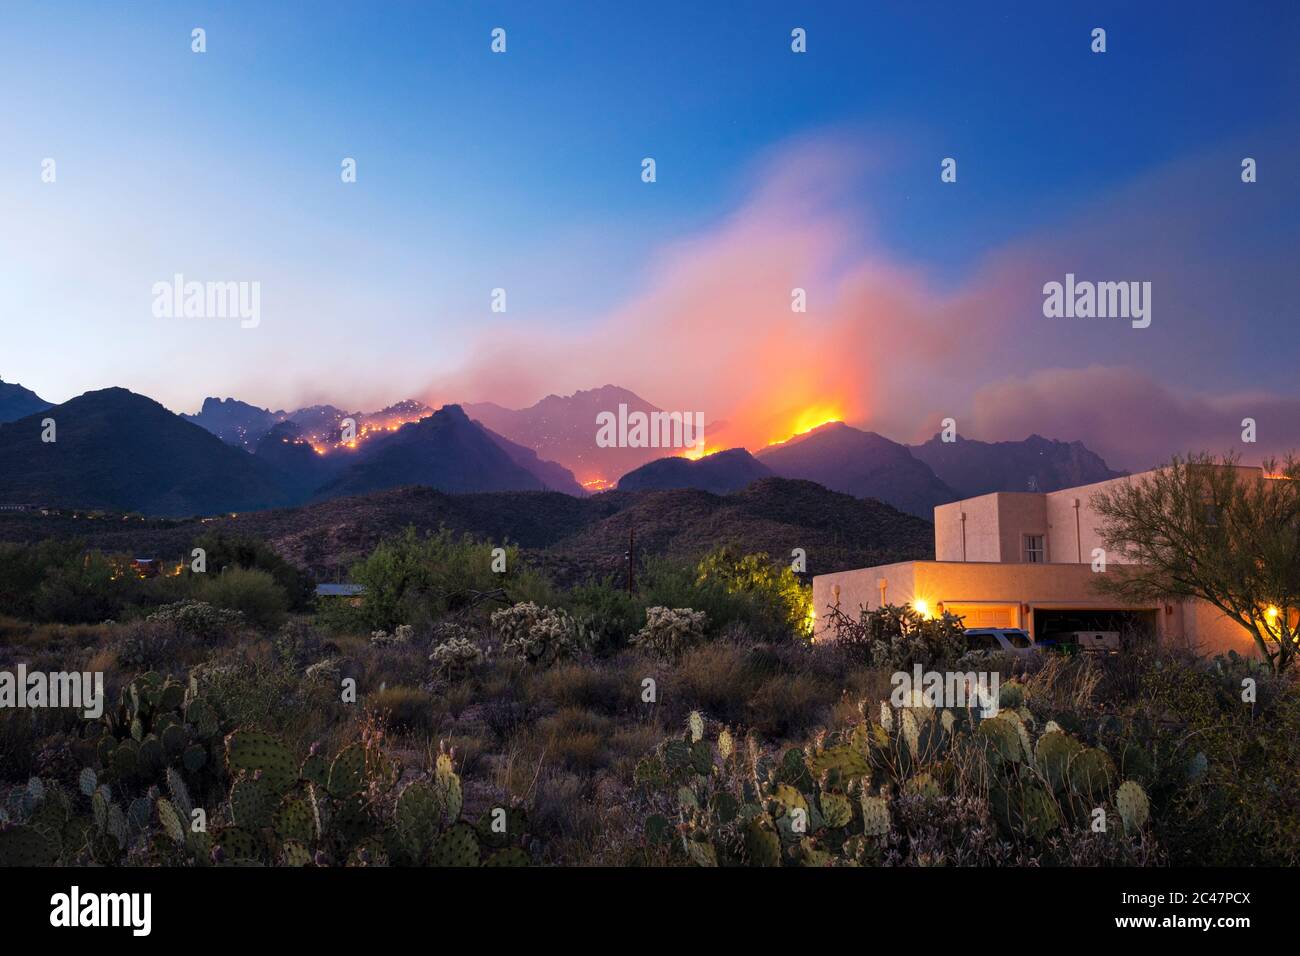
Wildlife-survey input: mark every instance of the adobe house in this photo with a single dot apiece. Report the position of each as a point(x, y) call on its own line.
point(1024, 559)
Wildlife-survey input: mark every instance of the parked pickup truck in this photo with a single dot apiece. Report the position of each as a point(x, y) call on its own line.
point(1097, 642)
point(1010, 639)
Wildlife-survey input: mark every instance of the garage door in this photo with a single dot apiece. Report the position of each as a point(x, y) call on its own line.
point(985, 615)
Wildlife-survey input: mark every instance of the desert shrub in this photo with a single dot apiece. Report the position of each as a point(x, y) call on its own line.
point(299, 643)
point(402, 636)
point(1224, 767)
point(23, 567)
point(667, 582)
point(456, 658)
point(420, 579)
point(898, 637)
point(196, 619)
point(772, 587)
point(537, 635)
point(253, 593)
point(576, 739)
point(147, 645)
point(404, 708)
point(607, 615)
point(84, 589)
point(669, 631)
point(228, 551)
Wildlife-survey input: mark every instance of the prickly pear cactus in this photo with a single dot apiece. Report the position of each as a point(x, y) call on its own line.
point(875, 815)
point(251, 751)
point(1134, 808)
point(696, 726)
point(457, 847)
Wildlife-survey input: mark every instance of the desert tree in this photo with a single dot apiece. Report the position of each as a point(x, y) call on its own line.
point(1205, 527)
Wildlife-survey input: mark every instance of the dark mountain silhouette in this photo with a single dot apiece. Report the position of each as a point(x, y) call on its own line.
point(719, 473)
point(302, 469)
point(774, 515)
point(1035, 464)
point(575, 538)
point(115, 449)
point(862, 464)
point(562, 428)
point(17, 402)
point(445, 451)
point(235, 422)
point(553, 476)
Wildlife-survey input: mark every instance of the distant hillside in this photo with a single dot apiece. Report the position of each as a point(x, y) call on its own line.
point(553, 476)
point(720, 473)
point(562, 428)
point(302, 470)
point(775, 515)
point(862, 464)
point(235, 422)
point(575, 538)
point(119, 450)
point(17, 402)
point(445, 451)
point(1035, 464)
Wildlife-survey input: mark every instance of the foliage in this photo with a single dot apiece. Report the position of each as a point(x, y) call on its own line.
point(414, 579)
point(196, 619)
point(456, 658)
point(669, 632)
point(536, 635)
point(871, 795)
point(251, 592)
point(225, 550)
point(771, 585)
point(1202, 527)
point(606, 613)
point(896, 637)
point(277, 808)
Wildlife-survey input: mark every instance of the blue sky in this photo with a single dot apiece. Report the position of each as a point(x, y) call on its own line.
point(522, 170)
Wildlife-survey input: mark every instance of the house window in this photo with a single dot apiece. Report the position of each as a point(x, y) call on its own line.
point(1035, 552)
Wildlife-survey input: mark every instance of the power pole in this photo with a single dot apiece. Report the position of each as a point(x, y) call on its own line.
point(631, 556)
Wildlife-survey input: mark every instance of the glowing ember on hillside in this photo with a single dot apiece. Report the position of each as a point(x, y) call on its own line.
point(368, 426)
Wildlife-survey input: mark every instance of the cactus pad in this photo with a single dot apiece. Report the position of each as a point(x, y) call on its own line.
point(1134, 808)
point(457, 847)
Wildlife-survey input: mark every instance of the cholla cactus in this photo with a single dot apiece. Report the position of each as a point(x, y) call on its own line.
point(196, 618)
point(403, 634)
point(538, 635)
point(327, 671)
point(670, 631)
point(455, 658)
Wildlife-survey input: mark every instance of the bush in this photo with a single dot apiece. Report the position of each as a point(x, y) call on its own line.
point(669, 632)
point(606, 615)
point(537, 635)
point(252, 593)
point(417, 580)
point(196, 619)
point(456, 658)
point(229, 551)
point(771, 586)
point(898, 637)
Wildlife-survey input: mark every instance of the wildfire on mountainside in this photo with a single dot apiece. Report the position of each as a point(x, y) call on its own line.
point(323, 443)
point(807, 420)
